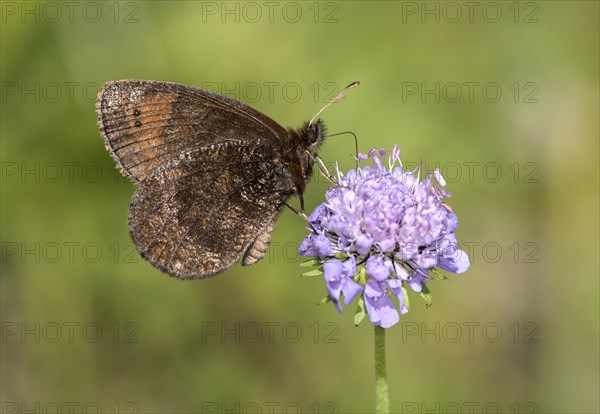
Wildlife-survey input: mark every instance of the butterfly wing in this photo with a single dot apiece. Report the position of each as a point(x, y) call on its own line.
point(201, 213)
point(146, 124)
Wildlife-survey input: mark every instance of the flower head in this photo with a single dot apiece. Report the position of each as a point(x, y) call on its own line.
point(393, 223)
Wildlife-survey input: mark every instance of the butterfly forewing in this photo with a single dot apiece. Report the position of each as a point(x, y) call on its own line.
point(146, 124)
point(197, 215)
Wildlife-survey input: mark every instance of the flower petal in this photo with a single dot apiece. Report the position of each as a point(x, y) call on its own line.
point(376, 268)
point(387, 244)
point(316, 245)
point(322, 246)
point(363, 243)
point(332, 269)
point(319, 212)
point(306, 247)
point(333, 274)
point(457, 263)
point(381, 311)
point(427, 259)
point(438, 176)
point(349, 267)
point(372, 288)
point(415, 284)
point(350, 289)
point(401, 272)
point(338, 306)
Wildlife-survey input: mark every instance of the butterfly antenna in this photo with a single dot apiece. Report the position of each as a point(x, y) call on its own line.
point(337, 98)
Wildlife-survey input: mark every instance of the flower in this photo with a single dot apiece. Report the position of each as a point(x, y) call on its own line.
point(338, 276)
point(394, 226)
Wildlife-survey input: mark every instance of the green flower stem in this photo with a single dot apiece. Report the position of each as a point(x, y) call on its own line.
point(382, 400)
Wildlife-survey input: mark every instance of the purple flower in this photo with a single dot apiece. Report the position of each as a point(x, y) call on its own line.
point(381, 309)
point(338, 277)
point(316, 244)
point(376, 268)
point(392, 222)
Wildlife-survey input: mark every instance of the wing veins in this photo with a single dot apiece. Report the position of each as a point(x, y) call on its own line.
point(195, 220)
point(217, 167)
point(170, 218)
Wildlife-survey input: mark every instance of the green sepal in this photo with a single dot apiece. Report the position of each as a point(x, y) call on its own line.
point(325, 300)
point(315, 272)
point(361, 276)
point(405, 294)
point(438, 274)
point(426, 295)
point(341, 256)
point(310, 263)
point(360, 311)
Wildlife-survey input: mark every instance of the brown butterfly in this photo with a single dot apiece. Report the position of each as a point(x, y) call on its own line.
point(212, 174)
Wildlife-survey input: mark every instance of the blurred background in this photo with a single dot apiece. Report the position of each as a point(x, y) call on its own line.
point(502, 96)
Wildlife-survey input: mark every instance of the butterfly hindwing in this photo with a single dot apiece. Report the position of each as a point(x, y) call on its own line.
point(202, 212)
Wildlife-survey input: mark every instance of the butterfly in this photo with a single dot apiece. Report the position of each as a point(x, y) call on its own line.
point(212, 174)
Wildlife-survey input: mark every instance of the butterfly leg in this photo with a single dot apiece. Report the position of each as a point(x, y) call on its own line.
point(324, 171)
point(295, 210)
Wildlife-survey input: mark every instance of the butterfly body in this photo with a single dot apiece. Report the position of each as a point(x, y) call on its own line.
point(299, 156)
point(212, 174)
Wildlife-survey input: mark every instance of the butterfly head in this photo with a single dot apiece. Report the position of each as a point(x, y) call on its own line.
point(300, 151)
point(313, 134)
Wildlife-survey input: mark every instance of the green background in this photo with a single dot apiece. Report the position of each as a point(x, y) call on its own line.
point(518, 331)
